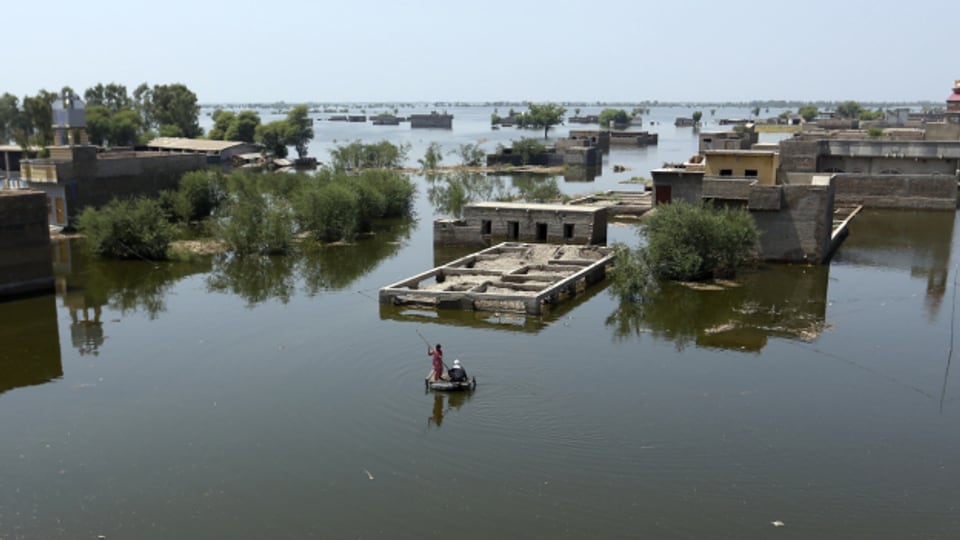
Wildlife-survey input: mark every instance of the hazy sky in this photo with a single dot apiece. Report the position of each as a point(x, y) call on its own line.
point(449, 50)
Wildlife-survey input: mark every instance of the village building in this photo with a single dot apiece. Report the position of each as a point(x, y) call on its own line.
point(795, 218)
point(508, 277)
point(485, 222)
point(214, 151)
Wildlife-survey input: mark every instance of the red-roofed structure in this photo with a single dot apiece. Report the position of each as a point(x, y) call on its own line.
point(953, 101)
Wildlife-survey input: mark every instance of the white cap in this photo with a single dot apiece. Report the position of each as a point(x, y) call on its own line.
point(456, 362)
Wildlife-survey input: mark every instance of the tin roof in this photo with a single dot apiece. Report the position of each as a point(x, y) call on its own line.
point(192, 145)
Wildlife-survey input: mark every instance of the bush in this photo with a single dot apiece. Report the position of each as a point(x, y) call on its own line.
point(432, 158)
point(471, 155)
point(686, 242)
point(127, 229)
point(357, 155)
point(199, 195)
point(527, 149)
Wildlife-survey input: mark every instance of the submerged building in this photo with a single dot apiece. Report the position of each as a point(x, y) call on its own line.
point(509, 277)
point(485, 222)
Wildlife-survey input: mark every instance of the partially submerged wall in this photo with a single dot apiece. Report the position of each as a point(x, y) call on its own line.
point(25, 262)
point(801, 230)
point(916, 191)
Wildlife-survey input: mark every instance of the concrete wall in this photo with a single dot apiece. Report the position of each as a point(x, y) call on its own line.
point(799, 155)
point(25, 261)
point(942, 131)
point(800, 231)
point(738, 163)
point(683, 185)
point(919, 191)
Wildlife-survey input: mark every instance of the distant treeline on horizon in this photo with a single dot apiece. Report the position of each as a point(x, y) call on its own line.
point(771, 104)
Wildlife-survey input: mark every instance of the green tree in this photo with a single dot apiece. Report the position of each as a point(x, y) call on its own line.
point(432, 157)
point(221, 123)
point(243, 127)
point(9, 113)
point(125, 126)
point(616, 116)
point(299, 129)
point(98, 124)
point(112, 96)
point(545, 115)
point(697, 115)
point(175, 105)
point(808, 112)
point(471, 154)
point(37, 117)
point(755, 111)
point(273, 137)
point(849, 109)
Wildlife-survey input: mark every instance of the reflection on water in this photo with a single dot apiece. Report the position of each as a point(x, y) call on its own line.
point(450, 193)
point(444, 403)
point(257, 279)
point(770, 301)
point(918, 242)
point(29, 343)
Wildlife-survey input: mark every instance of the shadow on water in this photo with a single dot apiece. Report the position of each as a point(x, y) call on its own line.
point(770, 301)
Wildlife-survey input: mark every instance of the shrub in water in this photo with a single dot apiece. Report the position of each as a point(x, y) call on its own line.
point(127, 229)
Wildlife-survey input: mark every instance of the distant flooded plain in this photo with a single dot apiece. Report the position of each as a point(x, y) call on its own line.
point(275, 397)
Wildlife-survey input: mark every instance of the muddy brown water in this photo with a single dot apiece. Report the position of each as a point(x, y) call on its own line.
point(276, 398)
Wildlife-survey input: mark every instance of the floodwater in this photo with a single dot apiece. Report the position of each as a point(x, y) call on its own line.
point(275, 398)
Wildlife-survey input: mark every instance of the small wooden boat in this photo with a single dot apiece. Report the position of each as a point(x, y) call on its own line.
point(445, 385)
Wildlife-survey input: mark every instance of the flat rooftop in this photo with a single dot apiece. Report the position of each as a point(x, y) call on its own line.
point(533, 206)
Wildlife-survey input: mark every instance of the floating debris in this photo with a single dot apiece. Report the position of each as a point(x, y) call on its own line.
point(777, 523)
point(370, 476)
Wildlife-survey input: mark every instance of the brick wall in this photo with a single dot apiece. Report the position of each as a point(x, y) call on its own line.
point(25, 262)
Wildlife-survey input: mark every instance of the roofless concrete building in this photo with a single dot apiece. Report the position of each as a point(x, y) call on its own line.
point(508, 277)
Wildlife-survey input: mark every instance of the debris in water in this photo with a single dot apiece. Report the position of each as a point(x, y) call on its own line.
point(370, 476)
point(777, 523)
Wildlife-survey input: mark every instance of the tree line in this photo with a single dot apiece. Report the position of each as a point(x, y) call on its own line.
point(116, 117)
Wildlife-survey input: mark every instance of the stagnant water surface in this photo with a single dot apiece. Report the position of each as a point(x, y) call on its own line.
point(275, 398)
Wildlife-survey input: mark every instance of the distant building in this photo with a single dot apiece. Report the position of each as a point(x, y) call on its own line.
point(433, 120)
point(215, 151)
point(953, 100)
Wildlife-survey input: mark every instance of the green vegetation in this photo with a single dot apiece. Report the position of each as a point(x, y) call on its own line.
point(295, 130)
point(615, 116)
point(471, 155)
point(228, 126)
point(251, 213)
point(543, 115)
point(684, 243)
point(808, 112)
point(527, 149)
point(432, 158)
point(875, 132)
point(127, 229)
point(358, 156)
point(697, 115)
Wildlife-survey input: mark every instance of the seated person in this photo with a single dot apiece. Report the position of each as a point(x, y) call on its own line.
point(457, 373)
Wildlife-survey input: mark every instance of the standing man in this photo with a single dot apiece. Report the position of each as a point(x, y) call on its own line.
point(437, 355)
